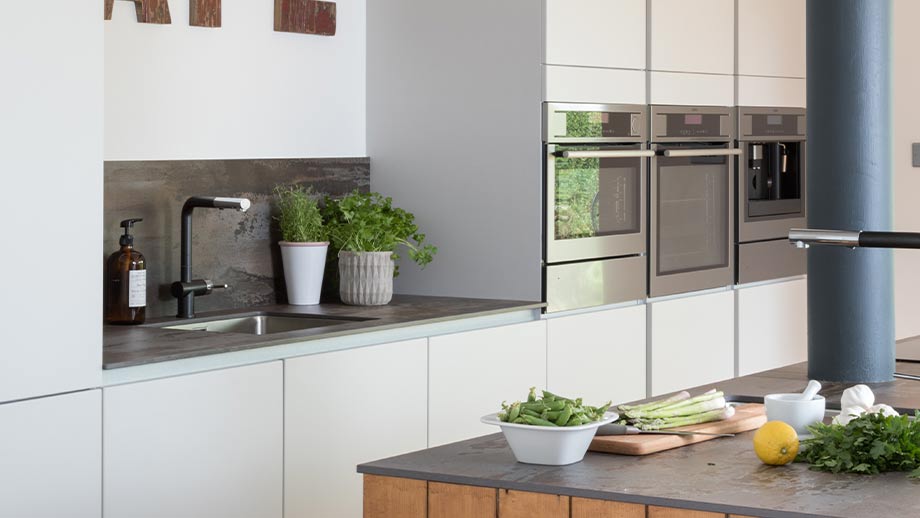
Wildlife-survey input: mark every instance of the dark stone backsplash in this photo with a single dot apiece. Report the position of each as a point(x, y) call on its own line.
point(239, 249)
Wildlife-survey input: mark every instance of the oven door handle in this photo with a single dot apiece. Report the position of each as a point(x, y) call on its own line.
point(678, 153)
point(608, 153)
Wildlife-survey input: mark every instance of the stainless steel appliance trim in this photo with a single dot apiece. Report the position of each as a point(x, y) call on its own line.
point(803, 237)
point(610, 153)
point(640, 123)
point(677, 153)
point(658, 121)
point(770, 227)
point(594, 283)
point(674, 283)
point(745, 126)
point(765, 260)
point(564, 250)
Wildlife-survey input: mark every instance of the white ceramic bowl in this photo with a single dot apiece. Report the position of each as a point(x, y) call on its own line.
point(792, 410)
point(553, 446)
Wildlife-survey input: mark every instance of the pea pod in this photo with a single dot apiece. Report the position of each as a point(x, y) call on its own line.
point(536, 421)
point(514, 412)
point(564, 416)
point(533, 395)
point(556, 405)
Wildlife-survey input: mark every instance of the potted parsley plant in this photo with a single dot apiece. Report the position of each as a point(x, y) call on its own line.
point(367, 231)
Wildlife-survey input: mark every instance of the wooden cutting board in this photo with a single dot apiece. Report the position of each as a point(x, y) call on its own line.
point(747, 417)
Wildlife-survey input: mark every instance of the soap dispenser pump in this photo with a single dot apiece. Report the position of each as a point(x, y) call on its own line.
point(126, 281)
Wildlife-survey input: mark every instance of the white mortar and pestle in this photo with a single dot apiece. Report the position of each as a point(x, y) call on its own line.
point(799, 410)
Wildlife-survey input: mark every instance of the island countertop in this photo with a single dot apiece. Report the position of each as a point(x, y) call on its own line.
point(131, 346)
point(721, 476)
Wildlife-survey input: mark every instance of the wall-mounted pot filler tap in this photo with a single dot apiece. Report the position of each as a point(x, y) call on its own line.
point(186, 289)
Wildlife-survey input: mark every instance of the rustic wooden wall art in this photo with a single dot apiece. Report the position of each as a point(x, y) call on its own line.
point(204, 13)
point(148, 11)
point(305, 17)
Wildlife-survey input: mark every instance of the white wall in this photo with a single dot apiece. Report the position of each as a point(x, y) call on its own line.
point(454, 93)
point(239, 91)
point(906, 121)
point(51, 180)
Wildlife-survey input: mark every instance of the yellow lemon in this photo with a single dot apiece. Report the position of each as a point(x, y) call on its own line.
point(776, 443)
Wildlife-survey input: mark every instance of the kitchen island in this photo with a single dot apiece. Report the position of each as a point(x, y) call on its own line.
point(714, 479)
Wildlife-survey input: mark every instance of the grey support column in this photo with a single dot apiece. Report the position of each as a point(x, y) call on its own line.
point(850, 297)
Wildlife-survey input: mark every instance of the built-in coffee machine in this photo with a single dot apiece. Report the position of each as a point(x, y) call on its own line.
point(771, 192)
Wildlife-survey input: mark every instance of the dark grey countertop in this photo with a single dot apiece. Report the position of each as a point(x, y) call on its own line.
point(126, 346)
point(722, 475)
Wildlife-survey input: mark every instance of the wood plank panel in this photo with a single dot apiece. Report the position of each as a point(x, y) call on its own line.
point(456, 501)
point(204, 13)
point(305, 17)
point(148, 11)
point(109, 6)
point(390, 497)
point(523, 504)
point(671, 512)
point(593, 508)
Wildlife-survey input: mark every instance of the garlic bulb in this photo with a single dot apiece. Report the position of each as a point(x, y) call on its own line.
point(858, 400)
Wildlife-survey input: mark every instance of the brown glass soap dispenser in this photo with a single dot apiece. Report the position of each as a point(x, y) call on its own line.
point(126, 281)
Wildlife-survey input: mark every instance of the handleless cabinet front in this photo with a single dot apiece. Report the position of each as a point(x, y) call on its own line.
point(771, 38)
point(197, 446)
point(772, 326)
point(595, 33)
point(692, 36)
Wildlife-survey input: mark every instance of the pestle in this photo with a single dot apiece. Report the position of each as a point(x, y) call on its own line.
point(811, 390)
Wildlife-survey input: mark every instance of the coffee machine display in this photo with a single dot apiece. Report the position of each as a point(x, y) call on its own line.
point(771, 192)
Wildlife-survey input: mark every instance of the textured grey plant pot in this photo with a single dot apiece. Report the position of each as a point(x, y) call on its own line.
point(366, 278)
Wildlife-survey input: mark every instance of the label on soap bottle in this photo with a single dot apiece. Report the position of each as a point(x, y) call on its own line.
point(137, 288)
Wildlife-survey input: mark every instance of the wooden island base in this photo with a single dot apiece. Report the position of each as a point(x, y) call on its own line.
point(391, 497)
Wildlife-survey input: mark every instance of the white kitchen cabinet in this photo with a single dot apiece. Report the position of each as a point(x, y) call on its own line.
point(51, 457)
point(692, 36)
point(691, 89)
point(772, 326)
point(599, 356)
point(471, 373)
point(196, 446)
point(771, 38)
point(51, 132)
point(593, 85)
point(595, 33)
point(692, 341)
point(342, 409)
point(771, 91)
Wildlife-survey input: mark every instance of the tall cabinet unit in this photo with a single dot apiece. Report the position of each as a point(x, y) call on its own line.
point(771, 53)
point(51, 457)
point(772, 326)
point(345, 408)
point(197, 446)
point(51, 132)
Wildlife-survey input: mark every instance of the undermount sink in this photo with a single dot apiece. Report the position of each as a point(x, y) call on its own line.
point(263, 324)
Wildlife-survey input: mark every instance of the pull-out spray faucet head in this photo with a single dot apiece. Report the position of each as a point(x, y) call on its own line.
point(240, 204)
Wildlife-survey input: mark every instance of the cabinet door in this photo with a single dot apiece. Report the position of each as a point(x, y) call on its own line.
point(52, 308)
point(771, 38)
point(598, 356)
point(197, 446)
point(471, 373)
point(342, 409)
point(51, 451)
point(596, 33)
point(692, 341)
point(692, 36)
point(772, 326)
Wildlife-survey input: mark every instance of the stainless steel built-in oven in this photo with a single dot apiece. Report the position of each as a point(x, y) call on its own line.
point(771, 192)
point(595, 205)
point(691, 188)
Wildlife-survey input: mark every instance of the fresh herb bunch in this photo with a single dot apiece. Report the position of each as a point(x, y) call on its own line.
point(299, 215)
point(368, 222)
point(551, 410)
point(871, 443)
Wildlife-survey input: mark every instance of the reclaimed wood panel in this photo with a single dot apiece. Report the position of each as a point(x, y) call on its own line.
point(671, 512)
point(593, 508)
point(391, 497)
point(109, 6)
point(524, 504)
point(148, 11)
point(204, 13)
point(305, 17)
point(456, 501)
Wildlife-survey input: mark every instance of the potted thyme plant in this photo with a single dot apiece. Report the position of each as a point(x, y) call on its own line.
point(303, 243)
point(366, 230)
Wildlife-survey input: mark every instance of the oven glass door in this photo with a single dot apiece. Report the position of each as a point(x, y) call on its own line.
point(692, 223)
point(595, 201)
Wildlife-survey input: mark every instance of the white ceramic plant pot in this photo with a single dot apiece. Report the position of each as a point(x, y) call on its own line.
point(366, 278)
point(304, 264)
